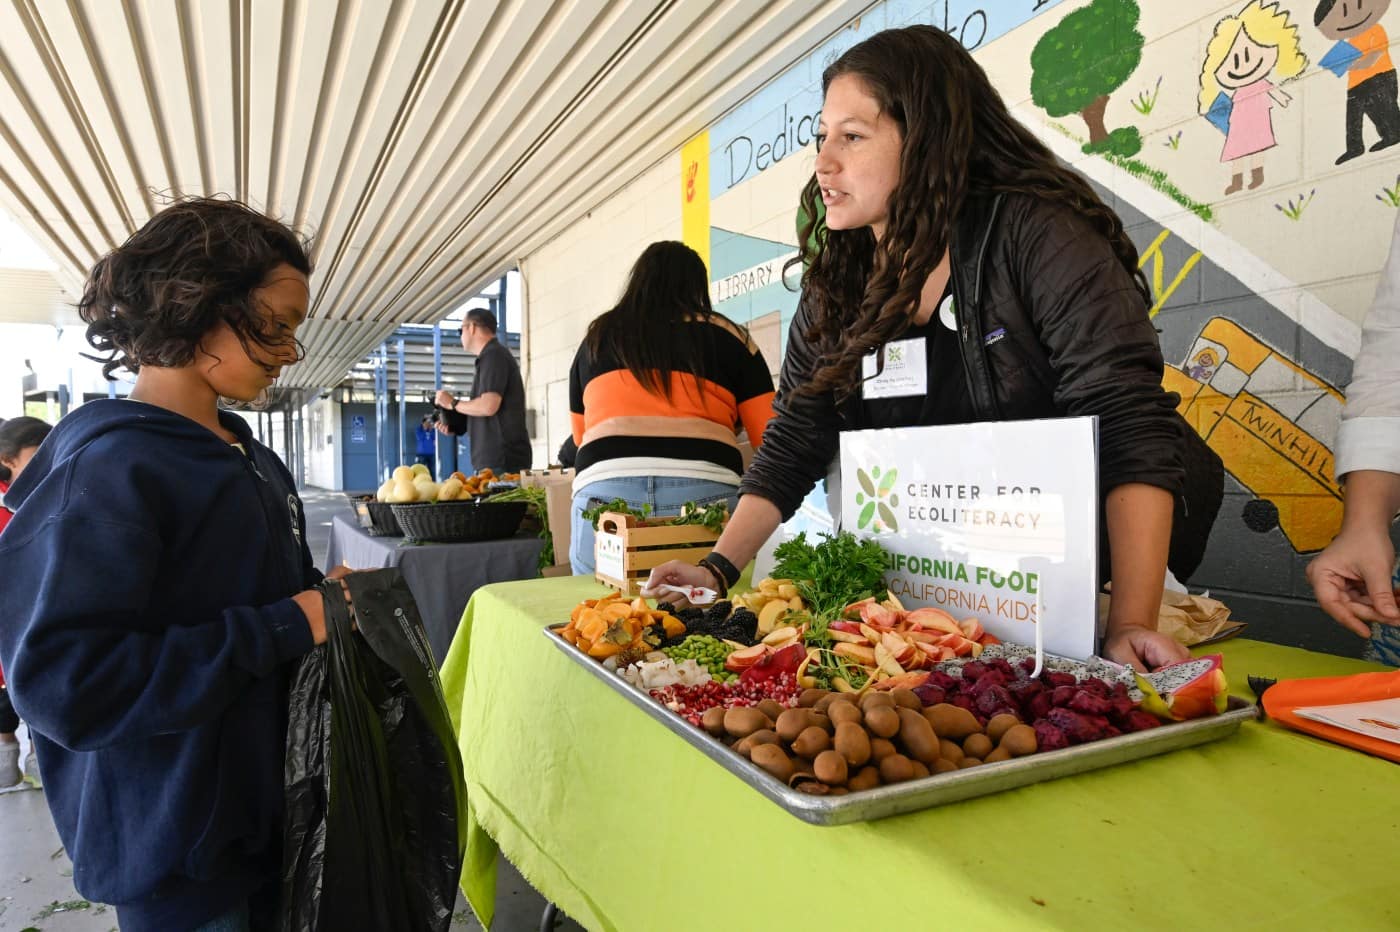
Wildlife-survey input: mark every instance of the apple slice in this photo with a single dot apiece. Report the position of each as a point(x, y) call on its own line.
point(886, 662)
point(741, 660)
point(935, 619)
point(959, 645)
point(862, 654)
point(878, 616)
point(780, 636)
point(900, 649)
point(907, 681)
point(853, 610)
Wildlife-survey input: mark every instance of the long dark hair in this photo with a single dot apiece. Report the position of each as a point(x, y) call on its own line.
point(195, 264)
point(958, 137)
point(17, 434)
point(667, 287)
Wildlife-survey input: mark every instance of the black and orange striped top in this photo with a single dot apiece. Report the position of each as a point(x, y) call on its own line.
point(624, 430)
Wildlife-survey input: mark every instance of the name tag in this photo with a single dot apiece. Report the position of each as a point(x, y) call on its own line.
point(905, 372)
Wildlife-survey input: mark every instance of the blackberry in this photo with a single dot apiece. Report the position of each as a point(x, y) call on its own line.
point(746, 622)
point(719, 611)
point(691, 616)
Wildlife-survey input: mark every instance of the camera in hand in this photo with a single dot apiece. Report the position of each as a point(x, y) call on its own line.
point(455, 421)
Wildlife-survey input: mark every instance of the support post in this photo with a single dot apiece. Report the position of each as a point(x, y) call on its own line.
point(437, 384)
point(403, 405)
point(381, 411)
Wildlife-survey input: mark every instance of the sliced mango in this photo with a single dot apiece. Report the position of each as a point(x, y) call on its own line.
point(768, 617)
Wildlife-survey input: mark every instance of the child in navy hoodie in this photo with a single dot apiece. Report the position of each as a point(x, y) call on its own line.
point(158, 582)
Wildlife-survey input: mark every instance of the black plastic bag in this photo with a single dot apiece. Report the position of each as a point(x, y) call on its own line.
point(376, 804)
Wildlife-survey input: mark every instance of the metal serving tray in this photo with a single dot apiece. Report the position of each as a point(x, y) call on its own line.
point(936, 790)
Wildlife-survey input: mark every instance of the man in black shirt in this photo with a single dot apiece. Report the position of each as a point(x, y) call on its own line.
point(494, 417)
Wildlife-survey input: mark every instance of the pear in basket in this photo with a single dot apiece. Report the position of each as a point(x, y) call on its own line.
point(403, 491)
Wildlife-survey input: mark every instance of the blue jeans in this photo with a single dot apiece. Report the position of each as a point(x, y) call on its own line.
point(665, 496)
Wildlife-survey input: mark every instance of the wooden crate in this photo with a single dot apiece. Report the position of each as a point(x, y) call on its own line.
point(626, 548)
point(558, 487)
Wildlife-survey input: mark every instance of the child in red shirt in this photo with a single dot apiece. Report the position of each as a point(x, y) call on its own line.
point(19, 439)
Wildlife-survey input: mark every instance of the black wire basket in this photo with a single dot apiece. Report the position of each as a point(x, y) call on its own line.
point(453, 522)
point(374, 516)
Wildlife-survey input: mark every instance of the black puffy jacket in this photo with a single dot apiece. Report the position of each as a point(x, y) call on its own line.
point(1069, 336)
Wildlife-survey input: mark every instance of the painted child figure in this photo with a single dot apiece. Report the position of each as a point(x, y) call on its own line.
point(1236, 94)
point(1365, 57)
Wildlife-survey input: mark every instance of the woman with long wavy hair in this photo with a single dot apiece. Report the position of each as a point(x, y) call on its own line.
point(655, 393)
point(940, 224)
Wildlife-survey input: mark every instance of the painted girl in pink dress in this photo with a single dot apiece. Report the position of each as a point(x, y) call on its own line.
point(1247, 49)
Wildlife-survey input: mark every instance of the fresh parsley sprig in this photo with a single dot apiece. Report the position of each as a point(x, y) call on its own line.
point(832, 574)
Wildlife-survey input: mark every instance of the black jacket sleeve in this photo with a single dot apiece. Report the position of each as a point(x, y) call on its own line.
point(803, 435)
point(1100, 342)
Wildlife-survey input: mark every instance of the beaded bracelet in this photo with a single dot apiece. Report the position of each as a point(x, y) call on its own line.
point(719, 562)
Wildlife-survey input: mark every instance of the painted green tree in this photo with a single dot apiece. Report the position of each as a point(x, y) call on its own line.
point(1079, 63)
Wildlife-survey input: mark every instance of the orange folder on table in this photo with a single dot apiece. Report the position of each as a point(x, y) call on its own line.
point(1281, 699)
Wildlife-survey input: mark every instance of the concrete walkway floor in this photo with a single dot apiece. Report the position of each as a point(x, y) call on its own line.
point(36, 882)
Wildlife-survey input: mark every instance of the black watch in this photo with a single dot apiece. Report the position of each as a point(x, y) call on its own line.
point(725, 570)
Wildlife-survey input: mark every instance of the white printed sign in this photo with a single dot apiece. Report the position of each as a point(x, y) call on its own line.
point(905, 372)
point(997, 521)
point(609, 554)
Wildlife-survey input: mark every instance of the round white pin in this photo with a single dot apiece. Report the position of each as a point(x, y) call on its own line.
point(945, 313)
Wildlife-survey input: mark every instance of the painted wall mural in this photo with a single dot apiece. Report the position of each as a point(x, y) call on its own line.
point(1237, 97)
point(1362, 55)
point(1250, 148)
point(1077, 64)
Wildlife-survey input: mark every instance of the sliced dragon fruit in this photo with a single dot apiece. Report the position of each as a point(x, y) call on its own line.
point(775, 664)
point(1191, 689)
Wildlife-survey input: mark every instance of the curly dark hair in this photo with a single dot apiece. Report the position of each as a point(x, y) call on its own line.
point(16, 434)
point(194, 264)
point(958, 137)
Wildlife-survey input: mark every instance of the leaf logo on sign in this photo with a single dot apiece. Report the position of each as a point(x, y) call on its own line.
point(877, 499)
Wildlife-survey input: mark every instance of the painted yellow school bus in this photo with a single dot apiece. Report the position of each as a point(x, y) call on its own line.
point(1264, 415)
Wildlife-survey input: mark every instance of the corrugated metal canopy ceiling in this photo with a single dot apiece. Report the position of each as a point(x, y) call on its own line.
point(427, 144)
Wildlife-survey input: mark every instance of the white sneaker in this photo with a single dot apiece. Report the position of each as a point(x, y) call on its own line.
point(9, 764)
point(31, 769)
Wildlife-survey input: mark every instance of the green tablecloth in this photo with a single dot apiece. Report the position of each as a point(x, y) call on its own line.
point(626, 827)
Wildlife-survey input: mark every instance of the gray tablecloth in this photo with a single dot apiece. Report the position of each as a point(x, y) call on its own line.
point(442, 577)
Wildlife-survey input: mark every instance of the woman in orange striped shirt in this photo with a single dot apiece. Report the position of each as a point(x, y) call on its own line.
point(657, 391)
